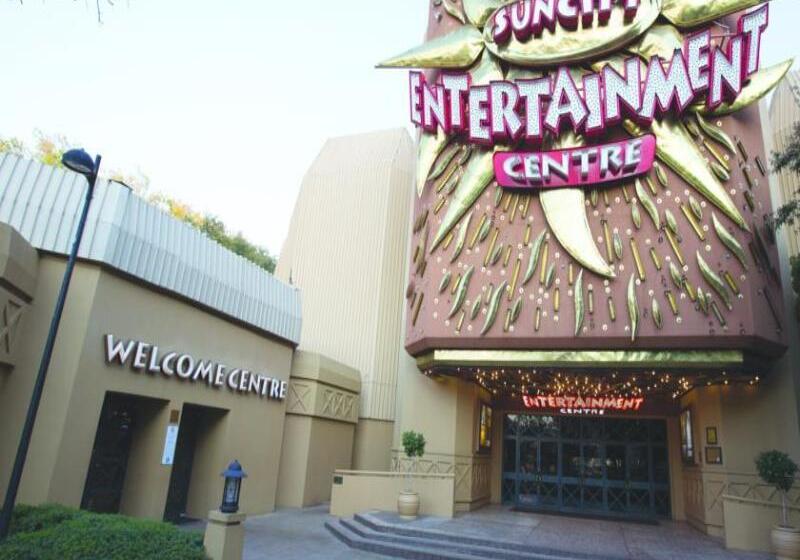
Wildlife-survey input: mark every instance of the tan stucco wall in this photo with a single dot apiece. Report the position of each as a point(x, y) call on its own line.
point(321, 414)
point(344, 250)
point(373, 442)
point(250, 428)
point(359, 491)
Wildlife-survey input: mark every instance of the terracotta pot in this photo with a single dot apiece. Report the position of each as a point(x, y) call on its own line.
point(786, 543)
point(408, 505)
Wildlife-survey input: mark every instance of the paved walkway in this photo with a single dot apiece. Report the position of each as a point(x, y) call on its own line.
point(301, 534)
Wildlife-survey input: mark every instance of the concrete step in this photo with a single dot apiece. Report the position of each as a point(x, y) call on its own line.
point(445, 546)
point(395, 550)
point(501, 549)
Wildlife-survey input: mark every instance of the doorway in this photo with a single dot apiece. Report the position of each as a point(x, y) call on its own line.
point(600, 466)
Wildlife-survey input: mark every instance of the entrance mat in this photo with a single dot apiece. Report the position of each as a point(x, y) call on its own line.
point(587, 515)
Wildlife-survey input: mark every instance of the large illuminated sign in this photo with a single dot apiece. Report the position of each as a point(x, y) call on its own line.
point(577, 404)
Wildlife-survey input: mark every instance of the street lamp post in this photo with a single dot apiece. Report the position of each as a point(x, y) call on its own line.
point(80, 162)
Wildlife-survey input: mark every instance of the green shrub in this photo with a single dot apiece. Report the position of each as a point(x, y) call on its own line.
point(778, 470)
point(59, 533)
point(413, 444)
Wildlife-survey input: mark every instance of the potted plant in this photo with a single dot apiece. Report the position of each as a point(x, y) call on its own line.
point(408, 501)
point(778, 470)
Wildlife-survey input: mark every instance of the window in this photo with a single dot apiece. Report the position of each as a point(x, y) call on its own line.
point(687, 441)
point(485, 428)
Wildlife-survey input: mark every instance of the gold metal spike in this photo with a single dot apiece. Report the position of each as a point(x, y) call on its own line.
point(675, 274)
point(697, 210)
point(690, 290)
point(590, 299)
point(537, 321)
point(617, 240)
point(633, 307)
point(543, 267)
point(476, 308)
point(587, 42)
point(742, 149)
point(751, 203)
point(661, 175)
point(417, 308)
point(514, 207)
point(494, 305)
point(460, 321)
point(655, 310)
point(748, 178)
point(527, 238)
point(492, 243)
point(717, 156)
point(570, 274)
point(452, 8)
point(718, 135)
point(507, 323)
point(637, 259)
point(579, 306)
point(607, 236)
point(672, 223)
point(717, 313)
point(674, 147)
point(692, 219)
point(772, 310)
point(625, 194)
point(648, 203)
point(507, 201)
point(533, 260)
point(636, 216)
point(593, 198)
point(430, 146)
point(550, 276)
point(444, 160)
point(729, 241)
point(656, 259)
point(761, 167)
point(525, 205)
point(498, 195)
point(673, 303)
point(714, 281)
point(455, 284)
point(731, 282)
point(690, 13)
point(702, 301)
point(565, 211)
point(650, 185)
point(439, 205)
point(458, 49)
point(605, 198)
point(477, 231)
point(675, 247)
point(445, 281)
point(612, 311)
point(479, 172)
point(507, 256)
point(489, 294)
point(461, 292)
point(461, 239)
point(514, 278)
point(556, 299)
point(478, 11)
point(758, 85)
point(721, 173)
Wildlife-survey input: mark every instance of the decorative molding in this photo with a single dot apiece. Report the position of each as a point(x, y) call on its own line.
point(10, 316)
point(312, 398)
point(471, 472)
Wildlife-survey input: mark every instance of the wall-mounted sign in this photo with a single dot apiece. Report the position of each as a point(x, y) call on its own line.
point(577, 166)
point(577, 404)
point(146, 358)
point(170, 442)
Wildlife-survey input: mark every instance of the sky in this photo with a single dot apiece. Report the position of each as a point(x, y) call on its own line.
point(224, 104)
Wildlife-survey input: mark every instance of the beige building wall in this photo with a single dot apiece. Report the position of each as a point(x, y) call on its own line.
point(344, 250)
point(321, 415)
point(784, 113)
point(243, 426)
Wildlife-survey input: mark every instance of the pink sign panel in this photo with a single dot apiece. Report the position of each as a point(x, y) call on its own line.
point(587, 165)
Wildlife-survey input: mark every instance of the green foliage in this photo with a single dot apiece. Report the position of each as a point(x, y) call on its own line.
point(50, 148)
point(53, 532)
point(788, 160)
point(413, 444)
point(776, 469)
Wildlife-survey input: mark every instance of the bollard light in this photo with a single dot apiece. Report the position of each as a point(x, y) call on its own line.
point(233, 485)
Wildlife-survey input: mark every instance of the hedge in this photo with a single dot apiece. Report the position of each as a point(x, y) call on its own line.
point(53, 532)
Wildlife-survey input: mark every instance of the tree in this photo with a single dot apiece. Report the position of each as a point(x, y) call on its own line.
point(49, 149)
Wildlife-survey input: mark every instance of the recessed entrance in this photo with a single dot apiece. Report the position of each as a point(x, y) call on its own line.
point(600, 466)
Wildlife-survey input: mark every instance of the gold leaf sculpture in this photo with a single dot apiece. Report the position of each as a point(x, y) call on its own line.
point(729, 240)
point(494, 305)
point(714, 281)
point(633, 307)
point(458, 49)
point(579, 303)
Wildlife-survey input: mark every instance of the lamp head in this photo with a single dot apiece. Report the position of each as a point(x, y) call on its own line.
point(79, 161)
